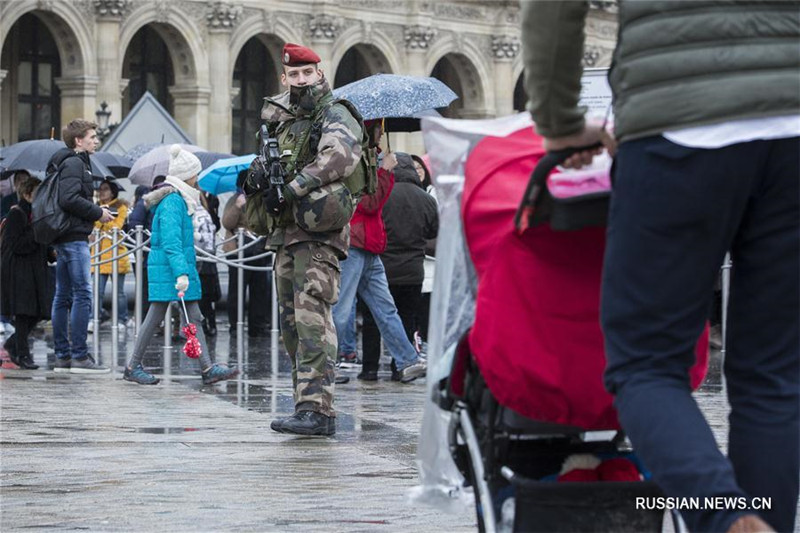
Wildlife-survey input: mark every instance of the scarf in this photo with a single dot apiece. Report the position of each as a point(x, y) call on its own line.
point(190, 195)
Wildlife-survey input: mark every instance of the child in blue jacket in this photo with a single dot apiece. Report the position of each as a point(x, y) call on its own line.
point(172, 265)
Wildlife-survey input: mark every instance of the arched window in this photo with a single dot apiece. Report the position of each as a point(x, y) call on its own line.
point(446, 72)
point(38, 99)
point(254, 76)
point(148, 66)
point(352, 67)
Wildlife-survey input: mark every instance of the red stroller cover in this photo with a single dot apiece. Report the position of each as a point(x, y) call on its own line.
point(536, 336)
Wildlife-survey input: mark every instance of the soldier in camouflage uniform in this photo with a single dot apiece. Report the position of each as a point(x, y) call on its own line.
point(310, 230)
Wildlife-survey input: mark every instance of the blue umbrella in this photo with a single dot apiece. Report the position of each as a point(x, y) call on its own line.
point(221, 176)
point(392, 95)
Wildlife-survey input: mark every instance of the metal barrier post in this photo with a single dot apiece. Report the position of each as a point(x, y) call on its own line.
point(138, 285)
point(275, 333)
point(240, 298)
point(240, 284)
point(97, 299)
point(114, 303)
point(168, 341)
point(726, 291)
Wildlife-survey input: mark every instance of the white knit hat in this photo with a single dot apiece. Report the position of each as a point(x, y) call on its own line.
point(183, 165)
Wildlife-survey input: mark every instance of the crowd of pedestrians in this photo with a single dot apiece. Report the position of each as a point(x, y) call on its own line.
point(41, 282)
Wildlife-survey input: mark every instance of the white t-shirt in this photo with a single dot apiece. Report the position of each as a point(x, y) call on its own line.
point(736, 131)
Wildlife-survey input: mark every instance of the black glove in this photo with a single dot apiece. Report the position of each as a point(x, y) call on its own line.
point(274, 204)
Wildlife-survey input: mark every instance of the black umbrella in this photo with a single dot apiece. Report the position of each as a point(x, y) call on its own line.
point(408, 124)
point(119, 165)
point(34, 156)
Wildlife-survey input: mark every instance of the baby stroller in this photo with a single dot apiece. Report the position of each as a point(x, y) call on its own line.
point(525, 388)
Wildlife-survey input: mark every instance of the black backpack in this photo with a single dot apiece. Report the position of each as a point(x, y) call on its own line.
point(48, 219)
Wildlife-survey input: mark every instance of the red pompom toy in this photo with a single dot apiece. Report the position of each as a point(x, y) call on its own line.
point(192, 347)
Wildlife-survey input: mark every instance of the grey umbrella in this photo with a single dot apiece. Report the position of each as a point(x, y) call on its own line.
point(155, 161)
point(33, 156)
point(118, 164)
point(392, 95)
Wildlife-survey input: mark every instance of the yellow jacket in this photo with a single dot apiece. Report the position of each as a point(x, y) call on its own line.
point(106, 230)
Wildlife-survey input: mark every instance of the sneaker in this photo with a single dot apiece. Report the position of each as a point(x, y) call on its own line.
point(341, 380)
point(413, 371)
point(90, 327)
point(308, 423)
point(87, 365)
point(219, 372)
point(139, 375)
point(62, 365)
point(348, 357)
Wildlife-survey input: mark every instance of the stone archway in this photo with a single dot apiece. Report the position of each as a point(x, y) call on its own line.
point(457, 72)
point(255, 75)
point(73, 87)
point(358, 62)
point(190, 91)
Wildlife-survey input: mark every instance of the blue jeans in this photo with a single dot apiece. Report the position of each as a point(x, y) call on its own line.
point(122, 298)
point(347, 335)
point(675, 211)
point(363, 273)
point(72, 305)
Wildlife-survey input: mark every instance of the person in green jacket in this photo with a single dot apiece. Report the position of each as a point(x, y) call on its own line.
point(707, 117)
point(172, 264)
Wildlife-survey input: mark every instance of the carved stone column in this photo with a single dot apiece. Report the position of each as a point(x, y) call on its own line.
point(322, 31)
point(5, 114)
point(221, 19)
point(109, 15)
point(78, 97)
point(417, 39)
point(192, 112)
point(505, 49)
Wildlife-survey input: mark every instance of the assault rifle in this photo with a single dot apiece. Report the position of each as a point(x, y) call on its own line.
point(272, 173)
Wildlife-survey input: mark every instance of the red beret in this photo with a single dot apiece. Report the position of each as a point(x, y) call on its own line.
point(295, 55)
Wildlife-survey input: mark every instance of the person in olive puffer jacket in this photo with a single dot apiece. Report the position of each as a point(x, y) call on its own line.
point(707, 113)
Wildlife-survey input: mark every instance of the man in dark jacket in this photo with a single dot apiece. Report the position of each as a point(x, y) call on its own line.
point(411, 219)
point(72, 304)
point(709, 125)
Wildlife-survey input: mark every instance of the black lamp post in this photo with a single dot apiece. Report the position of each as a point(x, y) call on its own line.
point(103, 115)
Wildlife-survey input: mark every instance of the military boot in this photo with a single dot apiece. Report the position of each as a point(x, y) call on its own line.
point(308, 423)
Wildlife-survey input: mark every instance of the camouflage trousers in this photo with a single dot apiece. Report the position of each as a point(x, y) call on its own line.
point(307, 277)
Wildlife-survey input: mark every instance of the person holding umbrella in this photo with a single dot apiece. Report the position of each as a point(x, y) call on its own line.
point(172, 265)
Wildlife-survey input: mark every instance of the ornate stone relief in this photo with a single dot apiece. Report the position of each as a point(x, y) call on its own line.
point(222, 16)
point(610, 6)
point(111, 8)
point(45, 5)
point(161, 8)
point(505, 46)
point(376, 5)
point(418, 37)
point(590, 56)
point(323, 27)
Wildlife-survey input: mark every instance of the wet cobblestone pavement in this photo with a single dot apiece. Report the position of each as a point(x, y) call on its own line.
point(97, 453)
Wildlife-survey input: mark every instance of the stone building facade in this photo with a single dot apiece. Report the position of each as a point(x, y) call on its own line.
point(210, 62)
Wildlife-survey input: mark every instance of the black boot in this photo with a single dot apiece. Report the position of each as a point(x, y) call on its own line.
point(308, 423)
point(212, 323)
point(26, 362)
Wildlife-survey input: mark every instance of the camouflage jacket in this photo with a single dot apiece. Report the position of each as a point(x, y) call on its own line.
point(338, 153)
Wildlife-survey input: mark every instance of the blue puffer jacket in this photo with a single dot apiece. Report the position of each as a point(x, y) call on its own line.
point(171, 247)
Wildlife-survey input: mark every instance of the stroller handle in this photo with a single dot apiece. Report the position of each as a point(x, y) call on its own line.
point(538, 181)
